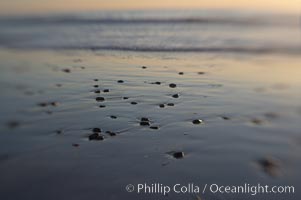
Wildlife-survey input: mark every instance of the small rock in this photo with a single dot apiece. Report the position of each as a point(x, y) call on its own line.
point(96, 130)
point(111, 133)
point(201, 73)
point(144, 119)
point(43, 104)
point(102, 106)
point(97, 91)
point(125, 98)
point(120, 81)
point(59, 132)
point(58, 85)
point(106, 90)
point(170, 104)
point(134, 103)
point(161, 105)
point(225, 118)
point(144, 123)
point(197, 121)
point(154, 127)
point(96, 86)
point(257, 121)
point(66, 70)
point(178, 154)
point(100, 98)
point(75, 145)
point(181, 73)
point(54, 103)
point(269, 165)
point(175, 96)
point(172, 85)
point(156, 83)
point(143, 67)
point(96, 136)
point(95, 79)
point(113, 117)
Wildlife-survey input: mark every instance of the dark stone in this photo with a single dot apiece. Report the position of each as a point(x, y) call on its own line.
point(96, 136)
point(96, 130)
point(144, 123)
point(54, 103)
point(154, 127)
point(102, 106)
point(157, 83)
point(125, 98)
point(172, 85)
point(43, 104)
point(58, 85)
point(175, 96)
point(201, 73)
point(134, 103)
point(113, 117)
point(161, 105)
point(120, 81)
point(170, 104)
point(100, 98)
point(197, 121)
point(111, 133)
point(178, 154)
point(97, 91)
point(66, 70)
point(95, 79)
point(269, 165)
point(59, 132)
point(106, 90)
point(257, 121)
point(181, 73)
point(143, 67)
point(75, 145)
point(144, 119)
point(96, 86)
point(225, 118)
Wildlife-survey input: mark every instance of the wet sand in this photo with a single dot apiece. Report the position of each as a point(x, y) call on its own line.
point(83, 124)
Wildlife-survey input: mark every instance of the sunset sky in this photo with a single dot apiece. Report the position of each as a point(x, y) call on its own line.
point(13, 7)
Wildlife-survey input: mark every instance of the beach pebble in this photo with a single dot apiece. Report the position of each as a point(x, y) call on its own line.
point(257, 121)
point(225, 118)
point(66, 70)
point(120, 81)
point(143, 67)
point(154, 127)
point(175, 95)
point(97, 91)
point(54, 103)
point(181, 73)
point(170, 104)
point(96, 86)
point(156, 83)
point(144, 123)
point(201, 73)
point(144, 119)
point(43, 104)
point(102, 106)
point(106, 90)
point(178, 154)
point(96, 136)
point(111, 133)
point(96, 130)
point(95, 79)
point(113, 117)
point(125, 98)
point(58, 85)
point(99, 98)
point(134, 103)
point(161, 105)
point(172, 85)
point(197, 121)
point(269, 165)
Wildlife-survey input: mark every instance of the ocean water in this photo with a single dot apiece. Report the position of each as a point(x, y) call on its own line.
point(183, 31)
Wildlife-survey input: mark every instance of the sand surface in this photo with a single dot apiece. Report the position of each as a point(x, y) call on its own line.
point(248, 107)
